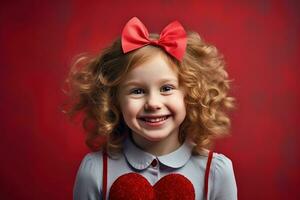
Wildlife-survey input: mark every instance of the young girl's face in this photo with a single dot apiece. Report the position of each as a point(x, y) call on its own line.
point(151, 100)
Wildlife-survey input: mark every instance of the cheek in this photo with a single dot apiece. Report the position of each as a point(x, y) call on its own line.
point(130, 108)
point(178, 107)
point(177, 102)
point(180, 110)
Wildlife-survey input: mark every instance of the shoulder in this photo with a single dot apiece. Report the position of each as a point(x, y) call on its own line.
point(91, 161)
point(89, 176)
point(219, 163)
point(91, 165)
point(222, 162)
point(223, 177)
point(222, 167)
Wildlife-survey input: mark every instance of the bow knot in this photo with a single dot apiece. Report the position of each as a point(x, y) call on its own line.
point(172, 38)
point(156, 42)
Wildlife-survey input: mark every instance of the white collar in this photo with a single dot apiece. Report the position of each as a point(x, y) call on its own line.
point(140, 159)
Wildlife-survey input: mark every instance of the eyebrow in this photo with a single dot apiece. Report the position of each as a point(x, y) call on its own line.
point(161, 81)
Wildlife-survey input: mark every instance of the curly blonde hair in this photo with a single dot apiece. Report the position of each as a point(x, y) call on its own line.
point(93, 88)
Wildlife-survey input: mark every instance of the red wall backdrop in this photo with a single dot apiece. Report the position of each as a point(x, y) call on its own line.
point(41, 150)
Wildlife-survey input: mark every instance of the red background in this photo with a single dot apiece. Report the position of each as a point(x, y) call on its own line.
point(41, 150)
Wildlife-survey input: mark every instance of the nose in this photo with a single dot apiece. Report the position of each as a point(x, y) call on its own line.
point(153, 102)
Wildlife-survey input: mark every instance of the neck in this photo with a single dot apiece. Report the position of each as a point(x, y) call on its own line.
point(157, 148)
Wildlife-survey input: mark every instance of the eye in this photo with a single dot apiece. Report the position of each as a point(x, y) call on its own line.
point(167, 88)
point(137, 91)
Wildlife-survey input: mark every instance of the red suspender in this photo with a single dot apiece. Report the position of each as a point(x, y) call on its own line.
point(104, 177)
point(210, 155)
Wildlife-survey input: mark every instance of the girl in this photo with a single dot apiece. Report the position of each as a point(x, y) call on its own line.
point(152, 105)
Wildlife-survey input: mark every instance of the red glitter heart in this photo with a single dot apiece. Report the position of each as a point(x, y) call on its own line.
point(133, 186)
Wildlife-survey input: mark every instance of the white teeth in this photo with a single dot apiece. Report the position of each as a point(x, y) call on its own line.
point(155, 119)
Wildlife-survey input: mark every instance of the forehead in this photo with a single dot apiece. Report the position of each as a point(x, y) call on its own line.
point(156, 67)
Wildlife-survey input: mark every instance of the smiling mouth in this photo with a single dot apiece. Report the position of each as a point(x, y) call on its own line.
point(155, 119)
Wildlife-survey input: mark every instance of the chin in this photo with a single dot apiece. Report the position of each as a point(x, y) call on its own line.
point(156, 139)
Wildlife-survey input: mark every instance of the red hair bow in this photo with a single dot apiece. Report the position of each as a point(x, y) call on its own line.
point(172, 38)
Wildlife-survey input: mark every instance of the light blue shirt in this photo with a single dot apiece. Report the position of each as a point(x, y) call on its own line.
point(222, 184)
